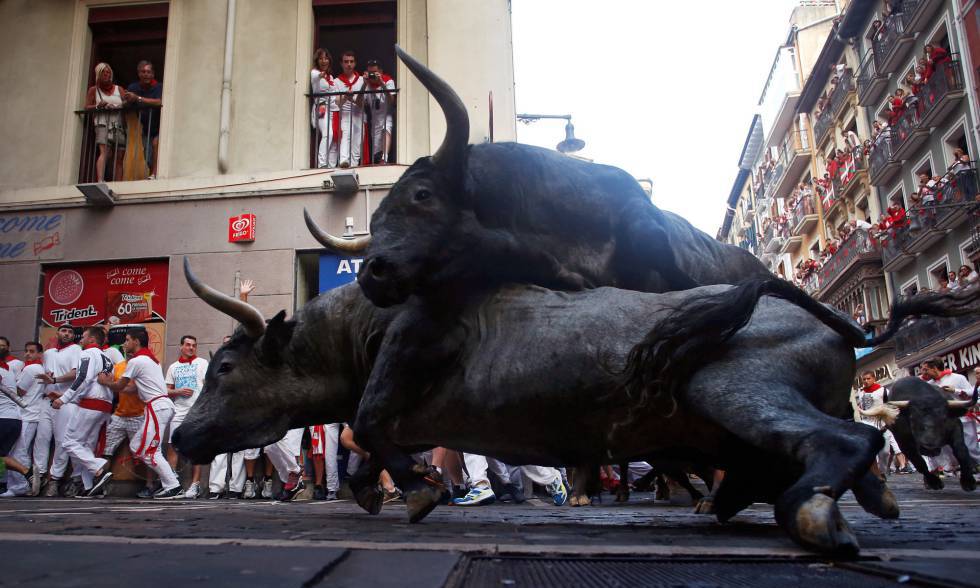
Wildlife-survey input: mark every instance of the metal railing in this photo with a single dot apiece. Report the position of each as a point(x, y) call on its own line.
point(824, 123)
point(921, 333)
point(886, 38)
point(847, 172)
point(804, 207)
point(355, 137)
point(118, 143)
point(881, 153)
point(811, 283)
point(906, 124)
point(946, 78)
point(839, 96)
point(856, 244)
point(866, 73)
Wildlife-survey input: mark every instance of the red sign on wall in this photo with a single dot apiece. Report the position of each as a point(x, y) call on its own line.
point(105, 293)
point(241, 229)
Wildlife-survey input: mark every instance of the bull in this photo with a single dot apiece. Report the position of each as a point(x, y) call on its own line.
point(638, 378)
point(923, 422)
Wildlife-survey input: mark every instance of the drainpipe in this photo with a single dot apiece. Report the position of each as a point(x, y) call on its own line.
point(225, 130)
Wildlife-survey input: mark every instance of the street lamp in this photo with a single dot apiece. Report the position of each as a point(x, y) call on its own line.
point(571, 144)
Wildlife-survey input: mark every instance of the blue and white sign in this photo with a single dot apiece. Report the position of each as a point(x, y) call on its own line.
point(337, 270)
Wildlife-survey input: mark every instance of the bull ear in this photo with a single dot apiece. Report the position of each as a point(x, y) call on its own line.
point(277, 335)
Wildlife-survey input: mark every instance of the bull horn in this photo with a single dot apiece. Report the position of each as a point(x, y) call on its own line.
point(457, 120)
point(243, 312)
point(899, 403)
point(965, 403)
point(355, 245)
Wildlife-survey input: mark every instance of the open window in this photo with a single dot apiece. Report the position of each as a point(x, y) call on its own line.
point(121, 143)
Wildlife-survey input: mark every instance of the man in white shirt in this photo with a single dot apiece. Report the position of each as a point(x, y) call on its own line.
point(9, 418)
point(380, 108)
point(351, 111)
point(94, 403)
point(12, 362)
point(61, 368)
point(185, 379)
point(144, 369)
point(32, 392)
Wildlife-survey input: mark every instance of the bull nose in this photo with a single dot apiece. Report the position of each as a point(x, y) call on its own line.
point(377, 268)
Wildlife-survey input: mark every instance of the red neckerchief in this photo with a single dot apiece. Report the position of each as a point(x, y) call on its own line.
point(872, 387)
point(9, 358)
point(183, 359)
point(153, 82)
point(35, 362)
point(329, 79)
point(146, 352)
point(3, 365)
point(62, 346)
point(104, 347)
point(351, 83)
point(943, 374)
point(92, 346)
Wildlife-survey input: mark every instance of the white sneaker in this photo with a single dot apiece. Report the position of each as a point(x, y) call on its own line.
point(9, 494)
point(194, 491)
point(249, 491)
point(267, 488)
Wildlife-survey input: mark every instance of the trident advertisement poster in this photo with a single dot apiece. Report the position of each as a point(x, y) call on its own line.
point(105, 293)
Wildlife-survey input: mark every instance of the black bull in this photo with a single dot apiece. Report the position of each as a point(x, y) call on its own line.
point(537, 379)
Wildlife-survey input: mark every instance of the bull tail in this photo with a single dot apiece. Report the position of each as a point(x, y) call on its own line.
point(671, 352)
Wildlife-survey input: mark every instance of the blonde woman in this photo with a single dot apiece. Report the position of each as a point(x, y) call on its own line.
point(110, 133)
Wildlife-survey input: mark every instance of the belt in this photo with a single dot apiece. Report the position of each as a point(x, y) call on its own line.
point(96, 404)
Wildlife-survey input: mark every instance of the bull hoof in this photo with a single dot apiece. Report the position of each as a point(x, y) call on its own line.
point(817, 524)
point(705, 506)
point(370, 498)
point(968, 483)
point(933, 482)
point(875, 497)
point(420, 502)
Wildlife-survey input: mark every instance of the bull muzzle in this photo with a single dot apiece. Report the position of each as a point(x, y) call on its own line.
point(379, 282)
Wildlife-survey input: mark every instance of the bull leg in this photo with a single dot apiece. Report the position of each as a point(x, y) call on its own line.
point(931, 480)
point(962, 454)
point(874, 496)
point(662, 491)
point(364, 485)
point(623, 490)
point(680, 478)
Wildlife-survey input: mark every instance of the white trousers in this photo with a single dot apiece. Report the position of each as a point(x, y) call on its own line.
point(326, 441)
point(327, 150)
point(43, 438)
point(219, 468)
point(381, 124)
point(17, 483)
point(970, 438)
point(477, 465)
point(60, 462)
point(351, 136)
point(146, 445)
point(283, 453)
point(944, 460)
point(81, 439)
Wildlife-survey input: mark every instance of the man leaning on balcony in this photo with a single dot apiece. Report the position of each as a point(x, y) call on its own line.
point(147, 92)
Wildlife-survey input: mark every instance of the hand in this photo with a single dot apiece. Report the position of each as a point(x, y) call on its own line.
point(57, 403)
point(104, 379)
point(47, 378)
point(182, 392)
point(247, 287)
point(102, 104)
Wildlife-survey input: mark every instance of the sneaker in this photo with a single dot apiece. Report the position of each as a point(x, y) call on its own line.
point(331, 496)
point(194, 491)
point(233, 495)
point(51, 488)
point(214, 496)
point(512, 493)
point(290, 491)
point(10, 494)
point(74, 488)
point(100, 481)
point(171, 494)
point(36, 479)
point(319, 493)
point(249, 491)
point(558, 493)
point(145, 492)
point(267, 488)
point(395, 494)
point(475, 497)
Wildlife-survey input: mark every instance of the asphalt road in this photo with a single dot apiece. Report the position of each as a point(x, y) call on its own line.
point(72, 542)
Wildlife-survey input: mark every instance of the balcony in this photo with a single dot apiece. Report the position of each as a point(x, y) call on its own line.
point(907, 135)
point(843, 91)
point(829, 199)
point(804, 216)
point(773, 238)
point(916, 336)
point(118, 144)
point(942, 93)
point(956, 199)
point(870, 83)
point(824, 123)
point(857, 250)
point(847, 178)
point(882, 166)
point(351, 146)
point(794, 158)
point(895, 253)
point(890, 44)
point(811, 284)
point(918, 13)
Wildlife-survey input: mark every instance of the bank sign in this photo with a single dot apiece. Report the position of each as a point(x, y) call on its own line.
point(30, 237)
point(105, 293)
point(337, 270)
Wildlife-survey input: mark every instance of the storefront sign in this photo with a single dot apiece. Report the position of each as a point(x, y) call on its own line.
point(241, 229)
point(960, 360)
point(25, 237)
point(337, 270)
point(105, 293)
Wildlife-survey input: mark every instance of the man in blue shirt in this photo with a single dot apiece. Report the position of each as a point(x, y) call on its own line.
point(148, 92)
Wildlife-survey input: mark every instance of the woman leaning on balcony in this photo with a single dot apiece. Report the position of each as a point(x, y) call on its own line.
point(107, 97)
point(964, 175)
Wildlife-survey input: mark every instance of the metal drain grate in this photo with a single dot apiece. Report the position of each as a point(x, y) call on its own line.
point(497, 572)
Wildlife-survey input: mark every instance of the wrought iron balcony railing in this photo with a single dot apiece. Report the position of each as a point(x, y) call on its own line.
point(118, 144)
point(844, 86)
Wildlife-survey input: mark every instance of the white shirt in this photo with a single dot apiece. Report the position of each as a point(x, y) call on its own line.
point(8, 408)
point(961, 386)
point(320, 85)
point(379, 104)
point(868, 400)
point(16, 365)
point(114, 355)
point(356, 86)
point(92, 363)
point(149, 379)
point(35, 392)
point(187, 375)
point(62, 362)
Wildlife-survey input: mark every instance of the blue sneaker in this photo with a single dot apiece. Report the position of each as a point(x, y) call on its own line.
point(558, 492)
point(475, 497)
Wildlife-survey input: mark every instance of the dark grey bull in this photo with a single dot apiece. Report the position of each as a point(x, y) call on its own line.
point(533, 365)
point(926, 422)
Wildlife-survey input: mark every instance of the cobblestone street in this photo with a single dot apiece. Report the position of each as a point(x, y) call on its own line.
point(228, 543)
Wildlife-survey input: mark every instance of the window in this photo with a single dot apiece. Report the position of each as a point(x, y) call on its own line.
point(123, 37)
point(910, 288)
point(938, 270)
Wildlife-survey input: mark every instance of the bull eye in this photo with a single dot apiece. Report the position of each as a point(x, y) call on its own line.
point(225, 367)
point(422, 196)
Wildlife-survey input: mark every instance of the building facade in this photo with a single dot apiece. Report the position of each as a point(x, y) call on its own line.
point(235, 157)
